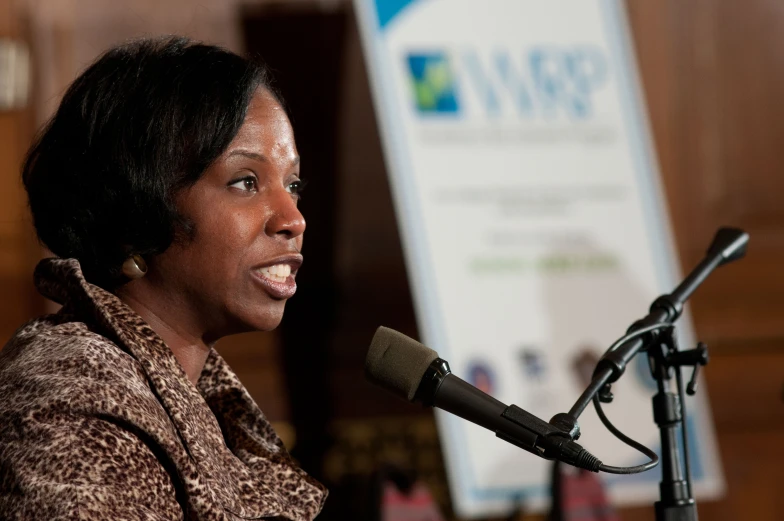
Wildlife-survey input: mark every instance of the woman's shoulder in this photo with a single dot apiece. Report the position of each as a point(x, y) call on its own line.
point(58, 362)
point(61, 347)
point(76, 409)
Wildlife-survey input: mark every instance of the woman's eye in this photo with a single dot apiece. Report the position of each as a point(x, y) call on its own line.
point(296, 187)
point(246, 184)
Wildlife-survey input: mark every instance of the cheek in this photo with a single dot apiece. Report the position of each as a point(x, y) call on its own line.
point(222, 235)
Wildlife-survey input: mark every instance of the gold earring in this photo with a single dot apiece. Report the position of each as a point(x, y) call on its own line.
point(134, 267)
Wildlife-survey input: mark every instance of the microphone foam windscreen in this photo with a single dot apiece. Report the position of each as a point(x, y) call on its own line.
point(396, 362)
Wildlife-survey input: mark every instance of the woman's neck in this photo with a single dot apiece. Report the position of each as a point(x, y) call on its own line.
point(171, 322)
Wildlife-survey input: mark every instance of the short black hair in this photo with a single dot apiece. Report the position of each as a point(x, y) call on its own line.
point(142, 122)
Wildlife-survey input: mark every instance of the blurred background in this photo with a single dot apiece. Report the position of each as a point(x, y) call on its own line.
point(713, 76)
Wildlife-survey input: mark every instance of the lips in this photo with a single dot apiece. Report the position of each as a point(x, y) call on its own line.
point(276, 276)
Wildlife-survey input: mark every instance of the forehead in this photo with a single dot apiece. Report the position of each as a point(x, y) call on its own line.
point(266, 129)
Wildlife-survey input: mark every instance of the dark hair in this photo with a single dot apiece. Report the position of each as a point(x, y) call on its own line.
point(142, 122)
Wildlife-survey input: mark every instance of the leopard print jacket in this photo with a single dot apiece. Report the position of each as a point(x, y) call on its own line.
point(98, 421)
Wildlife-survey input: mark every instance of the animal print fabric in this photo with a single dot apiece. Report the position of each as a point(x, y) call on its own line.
point(98, 421)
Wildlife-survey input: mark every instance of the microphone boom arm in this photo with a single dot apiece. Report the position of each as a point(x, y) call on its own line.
point(729, 244)
point(655, 334)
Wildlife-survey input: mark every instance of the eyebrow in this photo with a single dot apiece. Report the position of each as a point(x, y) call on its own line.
point(258, 157)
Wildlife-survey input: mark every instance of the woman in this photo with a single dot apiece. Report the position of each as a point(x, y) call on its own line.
point(167, 186)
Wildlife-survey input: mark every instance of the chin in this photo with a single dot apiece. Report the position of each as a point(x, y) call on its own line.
point(265, 319)
point(244, 315)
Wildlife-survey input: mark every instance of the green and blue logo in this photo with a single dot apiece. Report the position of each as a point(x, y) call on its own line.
point(433, 83)
point(544, 83)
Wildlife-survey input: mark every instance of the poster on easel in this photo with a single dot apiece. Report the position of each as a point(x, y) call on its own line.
point(533, 221)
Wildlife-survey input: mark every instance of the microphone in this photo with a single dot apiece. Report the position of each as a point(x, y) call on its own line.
point(415, 373)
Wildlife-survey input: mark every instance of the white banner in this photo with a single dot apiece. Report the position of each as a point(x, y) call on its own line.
point(529, 203)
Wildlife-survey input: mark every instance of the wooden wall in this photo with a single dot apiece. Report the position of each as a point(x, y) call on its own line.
point(713, 73)
point(18, 248)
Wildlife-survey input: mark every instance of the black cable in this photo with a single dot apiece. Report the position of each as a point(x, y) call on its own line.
point(639, 332)
point(590, 394)
point(598, 381)
point(628, 441)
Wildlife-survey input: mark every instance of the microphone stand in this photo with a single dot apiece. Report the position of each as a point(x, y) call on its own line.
point(676, 496)
point(655, 335)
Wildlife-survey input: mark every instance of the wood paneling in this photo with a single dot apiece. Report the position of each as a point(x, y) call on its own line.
point(18, 248)
point(255, 358)
point(713, 74)
point(746, 388)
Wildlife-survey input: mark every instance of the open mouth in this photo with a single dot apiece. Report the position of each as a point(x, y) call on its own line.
point(278, 279)
point(276, 273)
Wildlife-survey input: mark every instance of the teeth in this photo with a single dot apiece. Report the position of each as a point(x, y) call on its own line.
point(278, 272)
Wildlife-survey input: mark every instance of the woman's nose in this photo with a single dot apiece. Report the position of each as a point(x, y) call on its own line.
point(285, 218)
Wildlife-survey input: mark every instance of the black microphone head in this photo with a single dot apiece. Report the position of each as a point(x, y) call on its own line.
point(397, 363)
point(730, 244)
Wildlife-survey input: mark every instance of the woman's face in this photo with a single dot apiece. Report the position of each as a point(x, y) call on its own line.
point(238, 270)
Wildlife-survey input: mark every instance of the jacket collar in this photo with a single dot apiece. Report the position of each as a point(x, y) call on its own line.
point(253, 476)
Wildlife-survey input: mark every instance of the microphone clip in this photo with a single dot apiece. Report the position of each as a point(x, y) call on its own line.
point(554, 440)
